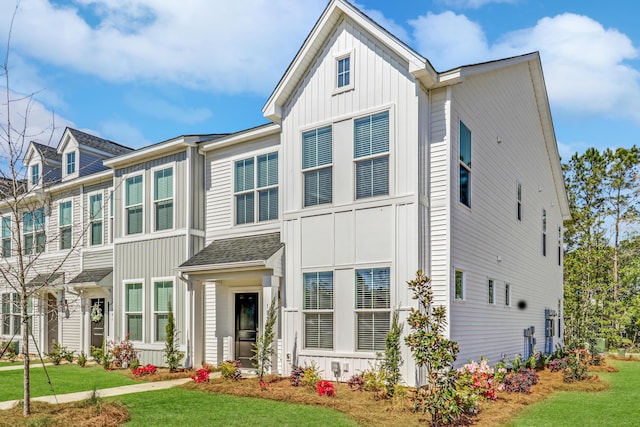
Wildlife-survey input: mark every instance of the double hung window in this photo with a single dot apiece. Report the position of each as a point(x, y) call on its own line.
point(256, 179)
point(133, 311)
point(162, 305)
point(6, 236)
point(317, 162)
point(96, 218)
point(163, 198)
point(33, 224)
point(64, 223)
point(371, 154)
point(373, 304)
point(318, 310)
point(133, 204)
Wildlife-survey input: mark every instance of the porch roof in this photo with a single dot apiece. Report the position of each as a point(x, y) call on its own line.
point(236, 251)
point(91, 275)
point(46, 279)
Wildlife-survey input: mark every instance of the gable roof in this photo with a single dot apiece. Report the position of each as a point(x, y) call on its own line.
point(254, 249)
point(335, 10)
point(98, 143)
point(46, 152)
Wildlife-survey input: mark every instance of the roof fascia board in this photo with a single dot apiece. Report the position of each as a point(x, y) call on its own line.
point(235, 266)
point(145, 153)
point(240, 137)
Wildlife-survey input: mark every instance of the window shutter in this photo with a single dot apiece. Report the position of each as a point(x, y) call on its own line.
point(163, 185)
point(317, 148)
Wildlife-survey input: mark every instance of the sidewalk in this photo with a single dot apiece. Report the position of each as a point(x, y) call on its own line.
point(33, 364)
point(105, 392)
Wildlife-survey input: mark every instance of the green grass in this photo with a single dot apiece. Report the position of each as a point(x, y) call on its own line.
point(617, 406)
point(178, 406)
point(65, 379)
point(10, 363)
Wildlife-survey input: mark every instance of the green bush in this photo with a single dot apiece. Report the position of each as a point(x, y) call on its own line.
point(230, 370)
point(59, 353)
point(311, 375)
point(82, 359)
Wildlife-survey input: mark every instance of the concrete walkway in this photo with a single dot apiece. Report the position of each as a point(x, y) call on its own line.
point(105, 392)
point(20, 366)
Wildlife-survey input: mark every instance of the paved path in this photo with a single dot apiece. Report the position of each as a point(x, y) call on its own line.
point(20, 366)
point(105, 392)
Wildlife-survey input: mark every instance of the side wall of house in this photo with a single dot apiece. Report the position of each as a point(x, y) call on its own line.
point(488, 241)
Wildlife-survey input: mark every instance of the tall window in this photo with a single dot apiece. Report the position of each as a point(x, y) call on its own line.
point(133, 310)
point(268, 187)
point(163, 198)
point(111, 223)
point(458, 292)
point(317, 158)
point(519, 201)
point(6, 314)
point(491, 291)
point(344, 72)
point(373, 303)
point(507, 294)
point(544, 232)
point(245, 196)
point(465, 165)
point(559, 245)
point(33, 224)
point(371, 151)
point(96, 218)
point(64, 223)
point(162, 305)
point(318, 310)
point(15, 309)
point(6, 236)
point(71, 163)
point(35, 174)
point(133, 204)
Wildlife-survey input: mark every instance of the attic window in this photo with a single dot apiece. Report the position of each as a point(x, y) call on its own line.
point(71, 163)
point(343, 72)
point(35, 174)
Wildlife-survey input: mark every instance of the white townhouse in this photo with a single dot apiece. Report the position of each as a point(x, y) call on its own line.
point(375, 165)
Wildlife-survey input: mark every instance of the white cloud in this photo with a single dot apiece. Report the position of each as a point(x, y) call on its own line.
point(219, 46)
point(159, 108)
point(386, 23)
point(122, 132)
point(472, 4)
point(584, 63)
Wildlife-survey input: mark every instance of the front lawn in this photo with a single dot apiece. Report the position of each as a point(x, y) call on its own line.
point(617, 406)
point(179, 406)
point(64, 378)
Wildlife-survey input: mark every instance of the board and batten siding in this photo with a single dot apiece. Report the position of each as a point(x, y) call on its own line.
point(219, 185)
point(487, 240)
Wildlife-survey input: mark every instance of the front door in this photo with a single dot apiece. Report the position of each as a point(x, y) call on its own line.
point(97, 321)
point(246, 327)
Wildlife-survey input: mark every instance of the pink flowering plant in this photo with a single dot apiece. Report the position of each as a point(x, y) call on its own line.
point(202, 375)
point(478, 379)
point(325, 388)
point(142, 371)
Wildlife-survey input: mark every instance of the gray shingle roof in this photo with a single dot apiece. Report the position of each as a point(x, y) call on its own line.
point(91, 275)
point(47, 152)
point(237, 249)
point(45, 279)
point(98, 143)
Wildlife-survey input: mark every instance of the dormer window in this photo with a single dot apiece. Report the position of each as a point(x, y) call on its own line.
point(71, 163)
point(35, 174)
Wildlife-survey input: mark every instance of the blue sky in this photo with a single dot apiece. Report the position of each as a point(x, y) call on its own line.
point(143, 71)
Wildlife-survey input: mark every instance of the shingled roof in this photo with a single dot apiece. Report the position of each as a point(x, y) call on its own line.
point(91, 275)
point(47, 152)
point(98, 143)
point(238, 249)
point(47, 279)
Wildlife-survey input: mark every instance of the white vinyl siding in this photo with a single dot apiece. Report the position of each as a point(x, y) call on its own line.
point(317, 158)
point(133, 205)
point(64, 224)
point(371, 151)
point(465, 165)
point(6, 236)
point(163, 198)
point(373, 303)
point(133, 306)
point(162, 305)
point(96, 218)
point(318, 310)
point(33, 226)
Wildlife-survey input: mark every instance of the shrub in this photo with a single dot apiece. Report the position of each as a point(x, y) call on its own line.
point(325, 388)
point(478, 378)
point(9, 350)
point(142, 371)
point(59, 353)
point(98, 354)
point(576, 368)
point(392, 355)
point(230, 370)
point(172, 354)
point(123, 353)
point(520, 381)
point(355, 383)
point(557, 365)
point(202, 375)
point(375, 379)
point(82, 359)
point(263, 350)
point(311, 375)
point(297, 373)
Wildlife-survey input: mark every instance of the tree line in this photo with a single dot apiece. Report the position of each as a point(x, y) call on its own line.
point(602, 248)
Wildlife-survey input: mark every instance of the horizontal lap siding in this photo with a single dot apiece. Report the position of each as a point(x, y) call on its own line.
point(502, 106)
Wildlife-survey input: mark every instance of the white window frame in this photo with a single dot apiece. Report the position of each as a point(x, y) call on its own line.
point(491, 292)
point(379, 310)
point(112, 208)
point(318, 311)
point(507, 294)
point(6, 219)
point(463, 165)
point(256, 189)
point(63, 227)
point(372, 157)
point(172, 279)
point(336, 65)
point(34, 233)
point(125, 313)
point(153, 171)
point(65, 166)
point(317, 167)
point(462, 285)
point(125, 207)
point(93, 220)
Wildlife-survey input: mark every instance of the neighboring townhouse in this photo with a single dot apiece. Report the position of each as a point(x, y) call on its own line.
point(159, 223)
point(64, 225)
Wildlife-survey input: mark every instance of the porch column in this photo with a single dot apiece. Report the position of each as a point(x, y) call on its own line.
point(270, 288)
